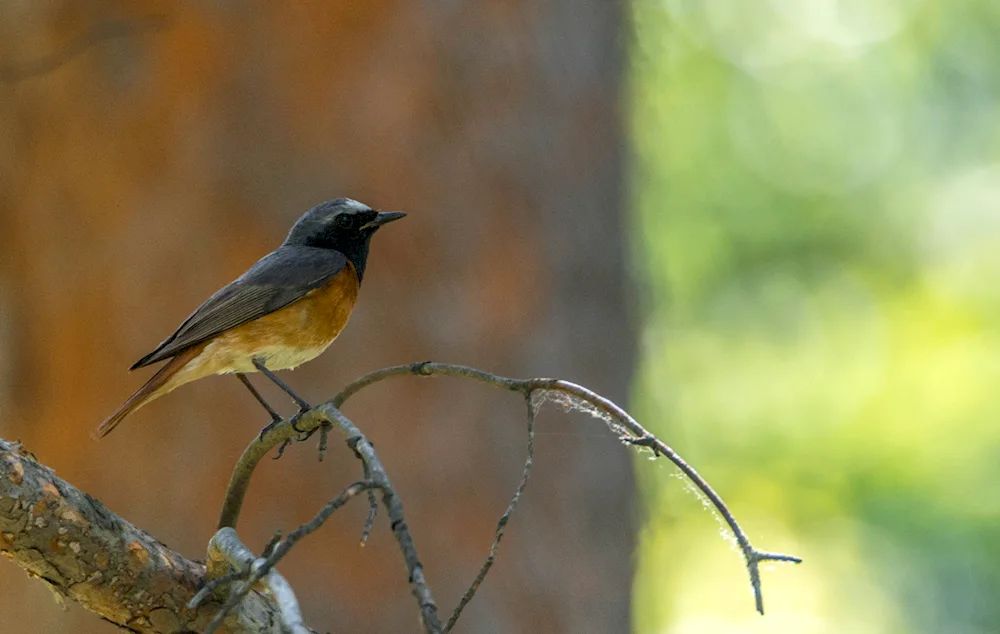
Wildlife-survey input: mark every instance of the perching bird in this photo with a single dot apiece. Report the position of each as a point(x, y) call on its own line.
point(281, 313)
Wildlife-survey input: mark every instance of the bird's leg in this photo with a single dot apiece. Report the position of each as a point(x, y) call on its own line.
point(304, 406)
point(275, 417)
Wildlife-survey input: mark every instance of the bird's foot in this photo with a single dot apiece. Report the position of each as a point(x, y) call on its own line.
point(293, 421)
point(275, 420)
point(303, 408)
point(281, 449)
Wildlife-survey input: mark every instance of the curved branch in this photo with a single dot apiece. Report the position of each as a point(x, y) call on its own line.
point(259, 447)
point(325, 416)
point(620, 421)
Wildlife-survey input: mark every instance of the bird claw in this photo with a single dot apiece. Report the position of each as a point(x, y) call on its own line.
point(295, 419)
point(274, 422)
point(303, 434)
point(281, 449)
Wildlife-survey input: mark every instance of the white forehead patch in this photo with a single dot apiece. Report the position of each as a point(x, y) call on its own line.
point(354, 207)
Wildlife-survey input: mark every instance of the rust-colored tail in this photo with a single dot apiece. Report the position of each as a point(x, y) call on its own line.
point(158, 385)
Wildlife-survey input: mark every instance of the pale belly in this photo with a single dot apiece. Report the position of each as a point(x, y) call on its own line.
point(274, 357)
point(215, 358)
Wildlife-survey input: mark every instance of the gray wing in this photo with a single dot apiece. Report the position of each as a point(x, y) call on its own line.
point(277, 280)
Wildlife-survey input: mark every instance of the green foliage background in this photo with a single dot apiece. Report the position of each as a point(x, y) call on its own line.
point(817, 195)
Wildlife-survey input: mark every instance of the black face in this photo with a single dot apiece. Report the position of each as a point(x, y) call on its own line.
point(342, 225)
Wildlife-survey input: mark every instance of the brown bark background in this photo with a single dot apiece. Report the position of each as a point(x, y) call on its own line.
point(154, 166)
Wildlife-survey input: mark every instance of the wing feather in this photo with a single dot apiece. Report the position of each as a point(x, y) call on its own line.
point(274, 282)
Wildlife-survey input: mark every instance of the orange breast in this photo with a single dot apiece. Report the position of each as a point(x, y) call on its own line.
point(285, 338)
point(314, 320)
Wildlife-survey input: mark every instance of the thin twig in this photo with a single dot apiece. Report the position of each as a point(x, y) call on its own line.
point(495, 547)
point(372, 501)
point(641, 437)
point(225, 544)
point(372, 506)
point(258, 568)
point(394, 508)
point(240, 479)
point(214, 584)
point(271, 543)
point(324, 438)
point(316, 418)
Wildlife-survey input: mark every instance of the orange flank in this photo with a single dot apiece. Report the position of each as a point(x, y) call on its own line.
point(283, 340)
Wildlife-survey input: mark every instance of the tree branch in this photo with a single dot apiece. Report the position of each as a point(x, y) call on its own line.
point(89, 554)
point(92, 556)
point(566, 393)
point(319, 418)
point(620, 422)
point(394, 508)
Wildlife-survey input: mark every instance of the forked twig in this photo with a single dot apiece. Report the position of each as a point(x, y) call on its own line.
point(535, 390)
point(251, 570)
point(226, 546)
point(495, 546)
point(628, 429)
point(323, 417)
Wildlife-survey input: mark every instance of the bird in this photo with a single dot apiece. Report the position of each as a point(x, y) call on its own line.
point(285, 310)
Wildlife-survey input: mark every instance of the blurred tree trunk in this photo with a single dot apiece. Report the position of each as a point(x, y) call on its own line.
point(153, 166)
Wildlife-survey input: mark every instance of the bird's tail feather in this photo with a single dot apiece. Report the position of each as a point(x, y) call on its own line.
point(158, 385)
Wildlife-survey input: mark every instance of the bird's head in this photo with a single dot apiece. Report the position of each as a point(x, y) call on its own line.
point(341, 224)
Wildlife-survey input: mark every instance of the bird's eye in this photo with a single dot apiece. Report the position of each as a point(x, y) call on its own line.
point(344, 221)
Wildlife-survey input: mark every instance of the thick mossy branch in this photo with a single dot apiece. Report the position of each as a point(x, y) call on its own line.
point(90, 555)
point(230, 560)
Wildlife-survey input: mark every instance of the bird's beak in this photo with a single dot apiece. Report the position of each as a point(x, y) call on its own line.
point(382, 218)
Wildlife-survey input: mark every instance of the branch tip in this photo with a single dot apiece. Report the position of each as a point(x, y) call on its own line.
point(779, 557)
point(324, 438)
